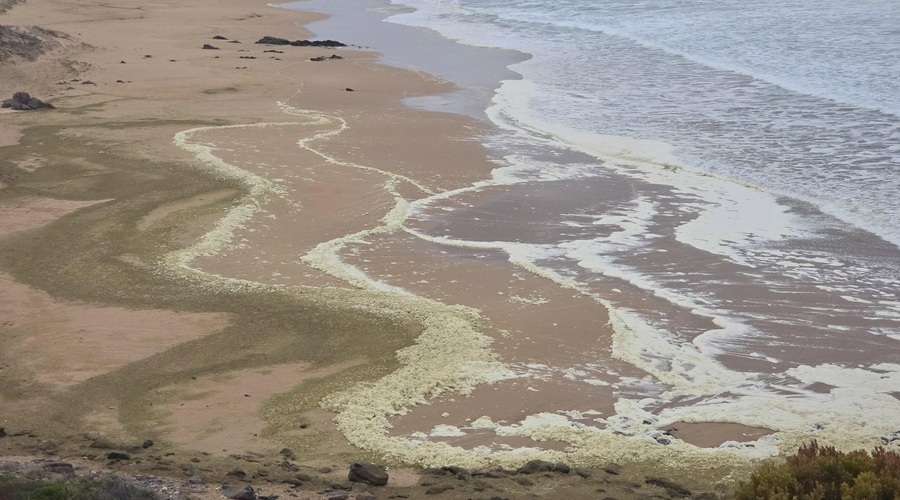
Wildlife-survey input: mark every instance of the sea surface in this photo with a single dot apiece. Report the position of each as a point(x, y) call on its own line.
point(723, 177)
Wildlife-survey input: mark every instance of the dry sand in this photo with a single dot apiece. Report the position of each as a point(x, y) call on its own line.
point(224, 365)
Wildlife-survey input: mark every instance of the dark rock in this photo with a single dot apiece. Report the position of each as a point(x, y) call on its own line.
point(60, 468)
point(304, 477)
point(209, 47)
point(121, 62)
point(302, 426)
point(317, 59)
point(88, 82)
point(219, 37)
point(365, 495)
point(458, 471)
point(272, 40)
point(293, 482)
point(235, 493)
point(348, 89)
point(335, 56)
point(369, 473)
point(3, 429)
point(561, 467)
point(196, 480)
point(233, 41)
point(337, 495)
point(237, 474)
point(147, 56)
point(614, 469)
point(120, 81)
point(438, 489)
point(583, 473)
point(706, 495)
point(324, 470)
point(248, 57)
point(288, 454)
point(524, 481)
point(23, 101)
point(535, 466)
point(147, 443)
point(673, 489)
point(118, 455)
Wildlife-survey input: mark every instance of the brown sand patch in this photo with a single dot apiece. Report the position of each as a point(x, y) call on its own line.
point(9, 134)
point(166, 209)
point(65, 343)
point(220, 413)
point(713, 434)
point(29, 213)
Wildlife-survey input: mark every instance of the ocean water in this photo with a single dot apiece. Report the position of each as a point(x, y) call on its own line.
point(722, 177)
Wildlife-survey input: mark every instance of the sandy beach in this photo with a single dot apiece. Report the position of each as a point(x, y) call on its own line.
point(207, 246)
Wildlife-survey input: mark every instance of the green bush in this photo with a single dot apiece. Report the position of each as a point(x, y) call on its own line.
point(111, 488)
point(823, 473)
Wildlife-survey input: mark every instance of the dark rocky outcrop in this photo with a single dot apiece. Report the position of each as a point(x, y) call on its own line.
point(368, 473)
point(239, 493)
point(272, 40)
point(219, 37)
point(207, 46)
point(22, 101)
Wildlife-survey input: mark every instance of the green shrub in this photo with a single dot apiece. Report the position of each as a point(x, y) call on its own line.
point(111, 488)
point(823, 473)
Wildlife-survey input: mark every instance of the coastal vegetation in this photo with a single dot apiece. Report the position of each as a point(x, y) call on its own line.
point(109, 488)
point(823, 473)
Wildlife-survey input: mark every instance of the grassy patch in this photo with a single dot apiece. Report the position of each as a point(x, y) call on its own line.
point(110, 488)
point(823, 473)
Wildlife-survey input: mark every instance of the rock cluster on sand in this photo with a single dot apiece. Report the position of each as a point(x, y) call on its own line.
point(22, 101)
point(272, 40)
point(368, 473)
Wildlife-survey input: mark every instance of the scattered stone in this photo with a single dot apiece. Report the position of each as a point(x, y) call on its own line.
point(88, 82)
point(23, 101)
point(293, 482)
point(196, 480)
point(288, 454)
point(121, 62)
point(304, 477)
point(118, 455)
point(535, 466)
point(60, 468)
point(219, 37)
point(583, 473)
point(235, 493)
point(438, 489)
point(120, 81)
point(2, 432)
point(324, 470)
point(614, 469)
point(147, 56)
point(102, 443)
point(348, 89)
point(337, 495)
point(209, 47)
point(673, 489)
point(335, 56)
point(147, 443)
point(369, 473)
point(237, 474)
point(365, 495)
point(248, 57)
point(318, 59)
point(302, 426)
point(233, 41)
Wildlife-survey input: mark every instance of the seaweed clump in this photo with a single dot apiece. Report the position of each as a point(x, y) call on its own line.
point(823, 473)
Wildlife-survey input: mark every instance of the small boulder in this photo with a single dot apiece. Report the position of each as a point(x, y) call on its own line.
point(118, 455)
point(207, 46)
point(613, 469)
point(288, 454)
point(2, 432)
point(60, 468)
point(536, 466)
point(369, 473)
point(238, 493)
point(219, 37)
